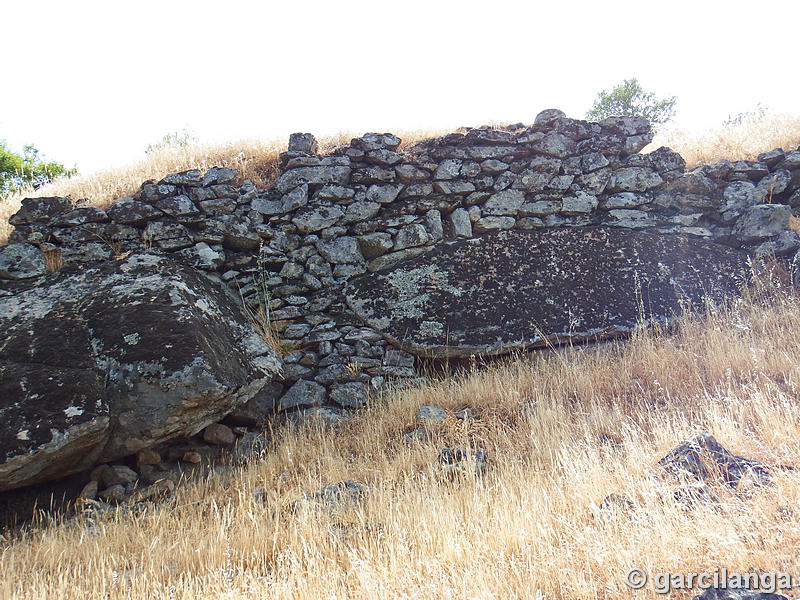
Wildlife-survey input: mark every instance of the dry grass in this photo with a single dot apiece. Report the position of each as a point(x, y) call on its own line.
point(737, 142)
point(563, 430)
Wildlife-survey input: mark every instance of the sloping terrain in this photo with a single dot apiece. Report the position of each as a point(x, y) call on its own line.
point(562, 431)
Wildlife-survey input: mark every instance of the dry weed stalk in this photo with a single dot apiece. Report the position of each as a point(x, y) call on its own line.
point(52, 260)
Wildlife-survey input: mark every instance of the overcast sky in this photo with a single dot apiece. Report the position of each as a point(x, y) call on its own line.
point(93, 83)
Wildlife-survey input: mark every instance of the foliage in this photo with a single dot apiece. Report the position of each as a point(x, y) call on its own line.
point(27, 169)
point(175, 139)
point(629, 99)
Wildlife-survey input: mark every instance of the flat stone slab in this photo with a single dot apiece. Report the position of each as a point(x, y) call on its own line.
point(515, 289)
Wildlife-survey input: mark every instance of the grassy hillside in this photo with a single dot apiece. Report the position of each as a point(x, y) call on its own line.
point(258, 160)
point(563, 429)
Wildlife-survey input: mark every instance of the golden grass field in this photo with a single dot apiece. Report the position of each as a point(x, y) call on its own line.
point(563, 429)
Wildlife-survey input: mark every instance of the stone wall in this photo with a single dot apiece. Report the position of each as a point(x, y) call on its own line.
point(366, 207)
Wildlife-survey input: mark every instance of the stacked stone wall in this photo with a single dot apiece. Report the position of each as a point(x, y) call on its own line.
point(291, 248)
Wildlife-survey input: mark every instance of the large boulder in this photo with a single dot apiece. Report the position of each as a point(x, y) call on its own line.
point(516, 289)
point(99, 363)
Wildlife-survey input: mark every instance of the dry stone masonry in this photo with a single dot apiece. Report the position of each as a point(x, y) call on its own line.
point(361, 258)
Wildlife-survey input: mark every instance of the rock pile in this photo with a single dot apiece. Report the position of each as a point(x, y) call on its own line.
point(698, 467)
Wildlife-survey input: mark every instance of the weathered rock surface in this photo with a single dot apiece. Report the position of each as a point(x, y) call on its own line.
point(431, 414)
point(99, 363)
point(328, 416)
point(515, 289)
point(303, 393)
point(219, 435)
point(762, 221)
point(338, 495)
point(703, 458)
point(40, 210)
point(21, 261)
point(256, 410)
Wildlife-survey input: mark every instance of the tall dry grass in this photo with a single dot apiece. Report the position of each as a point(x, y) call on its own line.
point(743, 141)
point(563, 430)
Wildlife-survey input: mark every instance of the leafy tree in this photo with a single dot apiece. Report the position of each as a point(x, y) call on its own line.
point(27, 169)
point(629, 99)
point(176, 139)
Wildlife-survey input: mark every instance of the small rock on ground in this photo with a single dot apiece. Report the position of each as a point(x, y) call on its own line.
point(703, 457)
point(737, 594)
point(114, 493)
point(89, 491)
point(431, 414)
point(337, 495)
point(192, 457)
point(219, 435)
point(117, 475)
point(147, 457)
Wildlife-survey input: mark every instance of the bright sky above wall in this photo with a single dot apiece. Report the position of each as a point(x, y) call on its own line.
point(93, 83)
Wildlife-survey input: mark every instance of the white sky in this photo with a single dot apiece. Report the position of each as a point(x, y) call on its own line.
point(93, 83)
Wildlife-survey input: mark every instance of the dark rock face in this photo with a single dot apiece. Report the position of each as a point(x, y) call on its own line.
point(96, 364)
point(21, 261)
point(40, 210)
point(514, 289)
point(256, 410)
